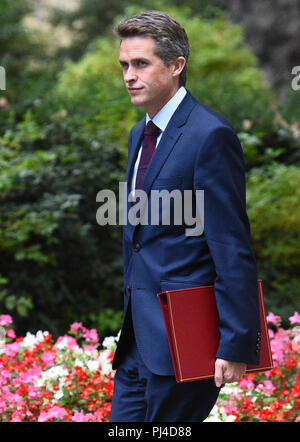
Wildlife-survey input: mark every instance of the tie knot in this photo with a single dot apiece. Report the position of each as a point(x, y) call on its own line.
point(151, 129)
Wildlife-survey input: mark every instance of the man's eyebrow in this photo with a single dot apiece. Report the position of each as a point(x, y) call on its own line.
point(133, 60)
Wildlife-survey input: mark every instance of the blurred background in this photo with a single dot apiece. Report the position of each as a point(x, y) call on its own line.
point(64, 121)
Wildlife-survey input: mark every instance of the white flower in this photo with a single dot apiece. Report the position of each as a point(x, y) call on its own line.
point(55, 372)
point(231, 388)
point(62, 344)
point(230, 418)
point(218, 414)
point(78, 363)
point(58, 394)
point(52, 374)
point(110, 342)
point(30, 340)
point(93, 365)
point(77, 351)
point(106, 367)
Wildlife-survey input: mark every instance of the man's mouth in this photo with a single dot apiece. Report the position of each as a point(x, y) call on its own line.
point(134, 90)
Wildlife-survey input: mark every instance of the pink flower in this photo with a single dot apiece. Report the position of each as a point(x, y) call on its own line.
point(76, 326)
point(247, 384)
point(271, 333)
point(49, 358)
point(280, 346)
point(11, 333)
point(30, 375)
point(5, 320)
point(230, 407)
point(295, 319)
point(79, 416)
point(90, 348)
point(55, 412)
point(12, 349)
point(5, 374)
point(91, 335)
point(274, 319)
point(16, 417)
point(269, 387)
point(67, 340)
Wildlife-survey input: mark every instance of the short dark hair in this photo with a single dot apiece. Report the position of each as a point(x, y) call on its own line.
point(170, 38)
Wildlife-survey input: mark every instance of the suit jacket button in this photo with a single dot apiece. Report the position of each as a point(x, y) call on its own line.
point(136, 247)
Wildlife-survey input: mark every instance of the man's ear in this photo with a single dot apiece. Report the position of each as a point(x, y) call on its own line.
point(178, 65)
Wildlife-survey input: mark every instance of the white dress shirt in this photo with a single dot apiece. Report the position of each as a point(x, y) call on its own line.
point(161, 120)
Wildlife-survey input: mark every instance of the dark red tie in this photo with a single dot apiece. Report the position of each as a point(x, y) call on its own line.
point(151, 133)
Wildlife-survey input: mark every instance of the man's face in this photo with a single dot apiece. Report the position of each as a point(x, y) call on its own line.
point(149, 82)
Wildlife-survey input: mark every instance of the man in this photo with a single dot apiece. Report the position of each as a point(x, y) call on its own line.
point(194, 148)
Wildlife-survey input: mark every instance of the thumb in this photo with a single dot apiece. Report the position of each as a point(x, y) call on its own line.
point(218, 373)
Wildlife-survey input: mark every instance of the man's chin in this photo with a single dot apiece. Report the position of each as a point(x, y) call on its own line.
point(136, 101)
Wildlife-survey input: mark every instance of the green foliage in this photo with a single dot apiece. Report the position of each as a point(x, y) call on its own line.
point(13, 33)
point(29, 70)
point(94, 89)
point(54, 256)
point(108, 322)
point(63, 141)
point(223, 72)
point(93, 18)
point(256, 153)
point(274, 212)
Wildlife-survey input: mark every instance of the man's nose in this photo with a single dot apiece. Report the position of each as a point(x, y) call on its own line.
point(130, 75)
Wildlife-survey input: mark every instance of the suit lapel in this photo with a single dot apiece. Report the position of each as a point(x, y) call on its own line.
point(137, 137)
point(136, 140)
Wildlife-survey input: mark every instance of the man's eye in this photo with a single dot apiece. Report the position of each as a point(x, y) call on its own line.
point(141, 63)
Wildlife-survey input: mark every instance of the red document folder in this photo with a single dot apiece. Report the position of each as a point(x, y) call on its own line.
point(192, 324)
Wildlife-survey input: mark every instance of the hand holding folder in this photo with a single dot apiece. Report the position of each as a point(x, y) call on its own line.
point(192, 322)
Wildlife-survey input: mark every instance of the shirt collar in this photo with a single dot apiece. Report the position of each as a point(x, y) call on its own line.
point(162, 118)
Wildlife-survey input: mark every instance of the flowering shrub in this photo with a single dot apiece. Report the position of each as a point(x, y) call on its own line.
point(70, 380)
point(271, 396)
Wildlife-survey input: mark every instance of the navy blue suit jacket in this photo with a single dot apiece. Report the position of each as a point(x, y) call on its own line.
point(198, 150)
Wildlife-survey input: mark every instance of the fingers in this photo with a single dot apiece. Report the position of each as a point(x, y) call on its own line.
point(219, 373)
point(228, 371)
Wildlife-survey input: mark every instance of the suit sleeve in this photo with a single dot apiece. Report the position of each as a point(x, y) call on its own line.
point(220, 172)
